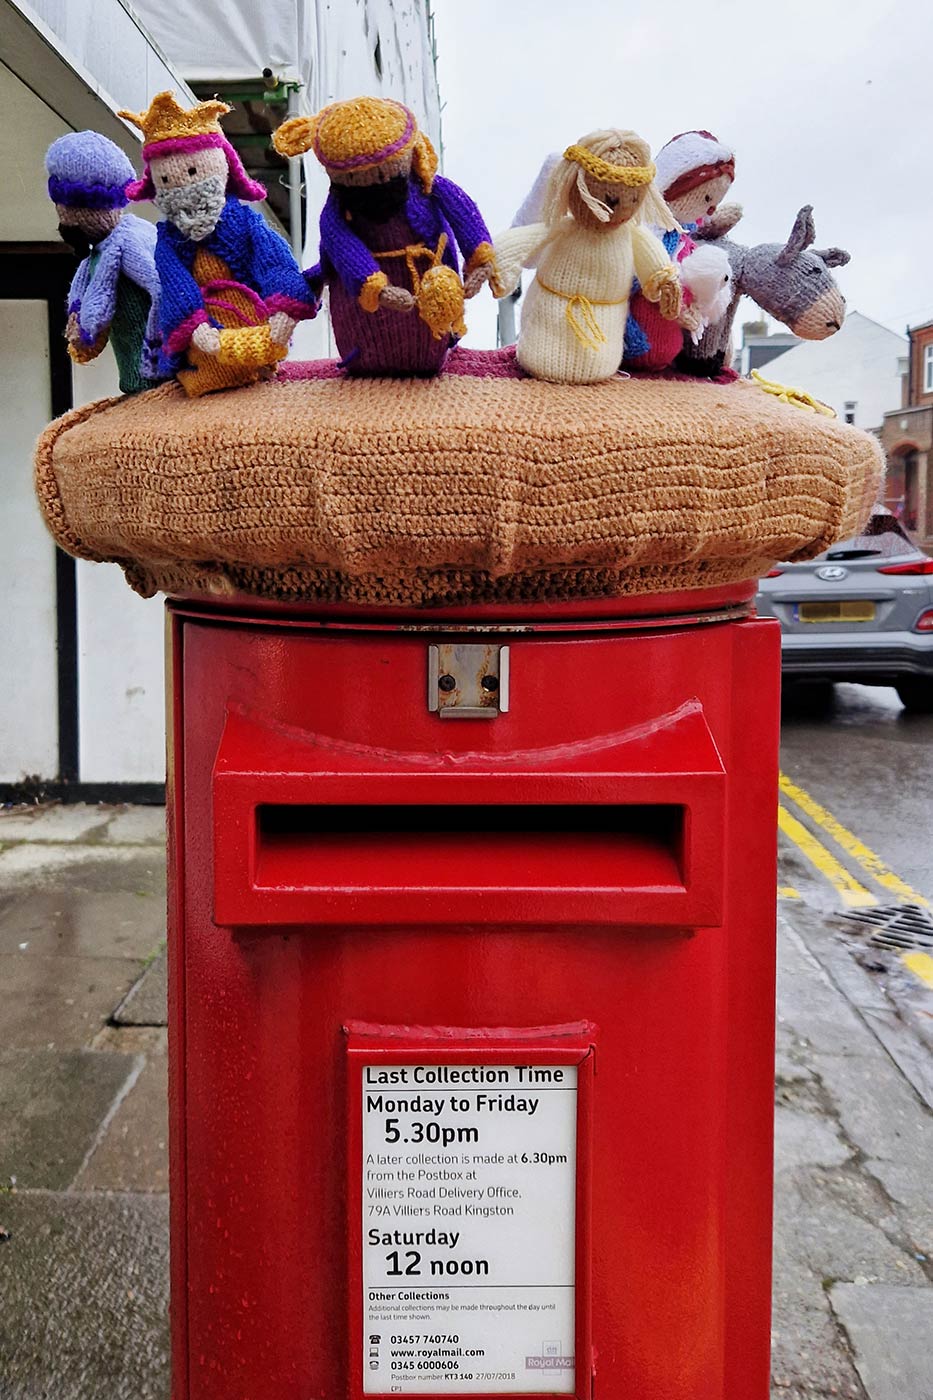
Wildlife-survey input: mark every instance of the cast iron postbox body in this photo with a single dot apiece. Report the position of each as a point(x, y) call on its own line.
point(427, 872)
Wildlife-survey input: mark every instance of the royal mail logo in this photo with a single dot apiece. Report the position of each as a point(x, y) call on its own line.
point(550, 1359)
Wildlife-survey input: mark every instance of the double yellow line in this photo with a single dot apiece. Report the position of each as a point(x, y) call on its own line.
point(852, 893)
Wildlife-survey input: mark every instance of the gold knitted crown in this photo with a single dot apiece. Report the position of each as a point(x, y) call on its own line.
point(165, 120)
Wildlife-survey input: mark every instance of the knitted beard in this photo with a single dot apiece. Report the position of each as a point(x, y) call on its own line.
point(194, 209)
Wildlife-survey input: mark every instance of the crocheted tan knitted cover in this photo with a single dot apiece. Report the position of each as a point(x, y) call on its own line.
point(458, 489)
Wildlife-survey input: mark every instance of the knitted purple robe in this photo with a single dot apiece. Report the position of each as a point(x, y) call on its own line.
point(386, 341)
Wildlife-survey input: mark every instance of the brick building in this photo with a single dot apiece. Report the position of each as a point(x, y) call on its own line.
point(907, 438)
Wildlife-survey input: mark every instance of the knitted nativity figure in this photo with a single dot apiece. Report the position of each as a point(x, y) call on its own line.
point(231, 289)
point(593, 240)
point(695, 172)
point(114, 295)
point(390, 232)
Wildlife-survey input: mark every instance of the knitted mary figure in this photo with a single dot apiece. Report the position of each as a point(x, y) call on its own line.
point(593, 240)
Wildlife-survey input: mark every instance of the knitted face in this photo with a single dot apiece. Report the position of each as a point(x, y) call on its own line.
point(191, 189)
point(82, 229)
point(620, 201)
point(701, 202)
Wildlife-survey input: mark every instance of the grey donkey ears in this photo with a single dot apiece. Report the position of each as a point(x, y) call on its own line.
point(801, 236)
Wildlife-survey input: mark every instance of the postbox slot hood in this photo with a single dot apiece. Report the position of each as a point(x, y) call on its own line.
point(618, 829)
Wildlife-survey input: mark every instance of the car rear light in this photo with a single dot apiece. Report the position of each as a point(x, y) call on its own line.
point(920, 566)
point(776, 573)
point(924, 622)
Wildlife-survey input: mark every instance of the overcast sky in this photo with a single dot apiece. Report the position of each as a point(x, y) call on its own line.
point(825, 102)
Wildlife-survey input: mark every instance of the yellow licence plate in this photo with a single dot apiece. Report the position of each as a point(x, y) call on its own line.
point(854, 611)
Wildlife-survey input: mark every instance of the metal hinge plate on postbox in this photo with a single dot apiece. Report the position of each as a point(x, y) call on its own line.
point(468, 680)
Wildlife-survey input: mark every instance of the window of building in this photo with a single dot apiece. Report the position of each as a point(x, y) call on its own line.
point(928, 368)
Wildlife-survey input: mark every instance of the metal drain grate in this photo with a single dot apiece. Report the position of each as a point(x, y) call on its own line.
point(897, 926)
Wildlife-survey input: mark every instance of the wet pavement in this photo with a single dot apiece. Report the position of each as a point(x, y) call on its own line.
point(853, 1298)
point(83, 1161)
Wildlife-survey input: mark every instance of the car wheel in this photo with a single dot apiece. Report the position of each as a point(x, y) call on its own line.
point(916, 695)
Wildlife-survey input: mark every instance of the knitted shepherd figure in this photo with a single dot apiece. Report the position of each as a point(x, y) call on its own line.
point(114, 295)
point(390, 232)
point(695, 172)
point(231, 290)
point(594, 239)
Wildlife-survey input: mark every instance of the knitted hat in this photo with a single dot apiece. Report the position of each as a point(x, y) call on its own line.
point(366, 133)
point(86, 171)
point(689, 160)
point(169, 129)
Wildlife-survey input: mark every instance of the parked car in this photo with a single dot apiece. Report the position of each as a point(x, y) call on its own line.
point(862, 611)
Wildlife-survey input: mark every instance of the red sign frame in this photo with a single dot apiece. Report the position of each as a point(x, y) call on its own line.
point(573, 1044)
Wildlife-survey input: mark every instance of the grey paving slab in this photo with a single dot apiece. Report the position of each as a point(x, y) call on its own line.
point(32, 866)
point(146, 1003)
point(59, 1002)
point(132, 1153)
point(53, 822)
point(83, 923)
point(84, 1283)
point(890, 1331)
point(54, 1106)
point(137, 826)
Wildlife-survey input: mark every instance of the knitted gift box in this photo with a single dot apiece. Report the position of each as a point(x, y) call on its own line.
point(478, 486)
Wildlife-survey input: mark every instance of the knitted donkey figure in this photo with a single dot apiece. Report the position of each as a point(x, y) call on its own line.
point(792, 282)
point(593, 240)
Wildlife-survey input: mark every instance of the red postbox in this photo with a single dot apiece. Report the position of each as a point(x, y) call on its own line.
point(472, 944)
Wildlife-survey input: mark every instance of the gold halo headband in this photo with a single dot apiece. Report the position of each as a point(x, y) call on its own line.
point(611, 174)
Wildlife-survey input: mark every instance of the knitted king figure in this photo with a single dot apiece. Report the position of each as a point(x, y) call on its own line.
point(231, 289)
point(390, 231)
point(114, 295)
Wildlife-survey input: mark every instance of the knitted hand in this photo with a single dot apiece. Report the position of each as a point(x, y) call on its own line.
point(281, 326)
point(82, 353)
point(670, 300)
point(720, 223)
point(691, 319)
point(207, 338)
point(663, 286)
point(396, 299)
point(72, 329)
point(478, 278)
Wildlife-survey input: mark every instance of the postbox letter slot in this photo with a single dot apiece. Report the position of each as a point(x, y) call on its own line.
point(459, 849)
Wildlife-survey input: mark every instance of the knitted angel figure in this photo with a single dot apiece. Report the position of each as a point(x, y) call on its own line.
point(231, 289)
point(390, 232)
point(592, 242)
point(114, 295)
point(695, 172)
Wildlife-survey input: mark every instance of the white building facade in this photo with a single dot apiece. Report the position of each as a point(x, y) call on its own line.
point(857, 371)
point(81, 704)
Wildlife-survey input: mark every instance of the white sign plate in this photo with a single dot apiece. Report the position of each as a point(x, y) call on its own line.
point(469, 1181)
